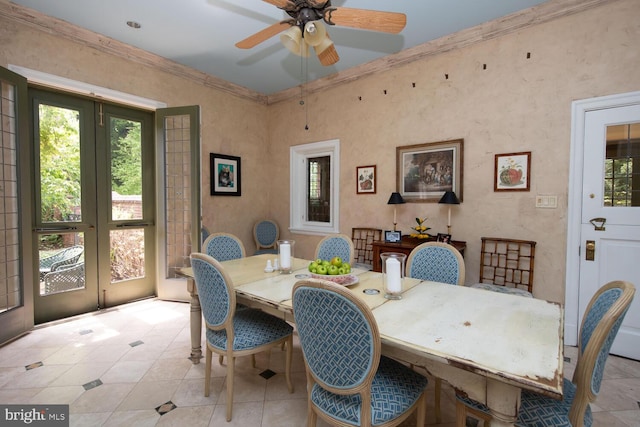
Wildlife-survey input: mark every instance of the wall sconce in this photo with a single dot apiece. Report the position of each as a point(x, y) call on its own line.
point(395, 199)
point(449, 198)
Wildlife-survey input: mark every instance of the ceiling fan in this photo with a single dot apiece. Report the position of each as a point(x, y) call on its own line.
point(305, 28)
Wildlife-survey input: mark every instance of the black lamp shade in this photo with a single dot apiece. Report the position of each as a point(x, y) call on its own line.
point(396, 199)
point(449, 198)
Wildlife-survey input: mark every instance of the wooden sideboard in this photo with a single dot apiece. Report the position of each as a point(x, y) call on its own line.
point(405, 247)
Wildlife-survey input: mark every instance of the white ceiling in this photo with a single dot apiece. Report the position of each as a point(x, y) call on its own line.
point(201, 34)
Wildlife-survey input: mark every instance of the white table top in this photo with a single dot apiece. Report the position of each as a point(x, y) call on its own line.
point(494, 333)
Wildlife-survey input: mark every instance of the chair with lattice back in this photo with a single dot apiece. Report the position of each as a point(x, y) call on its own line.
point(363, 239)
point(506, 265)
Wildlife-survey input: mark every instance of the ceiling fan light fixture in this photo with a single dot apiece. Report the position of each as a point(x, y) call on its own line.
point(314, 33)
point(326, 52)
point(292, 40)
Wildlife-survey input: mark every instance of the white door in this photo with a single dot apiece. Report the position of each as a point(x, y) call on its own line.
point(610, 223)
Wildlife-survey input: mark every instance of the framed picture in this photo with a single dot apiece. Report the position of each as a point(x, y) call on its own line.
point(225, 175)
point(392, 236)
point(426, 171)
point(512, 172)
point(444, 238)
point(366, 180)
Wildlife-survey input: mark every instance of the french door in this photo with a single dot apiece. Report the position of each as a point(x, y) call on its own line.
point(94, 205)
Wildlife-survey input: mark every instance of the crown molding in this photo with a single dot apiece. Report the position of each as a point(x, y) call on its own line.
point(539, 14)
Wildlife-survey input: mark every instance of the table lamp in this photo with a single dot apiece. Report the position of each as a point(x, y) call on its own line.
point(395, 199)
point(449, 198)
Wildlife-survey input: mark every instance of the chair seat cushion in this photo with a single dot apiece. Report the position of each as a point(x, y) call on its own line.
point(537, 410)
point(502, 289)
point(395, 389)
point(252, 328)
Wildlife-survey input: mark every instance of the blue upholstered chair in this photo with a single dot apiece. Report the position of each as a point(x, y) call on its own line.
point(230, 332)
point(205, 233)
point(437, 262)
point(223, 247)
point(335, 245)
point(349, 383)
point(600, 325)
point(266, 234)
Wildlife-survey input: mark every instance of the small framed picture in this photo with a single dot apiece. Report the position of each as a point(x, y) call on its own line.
point(444, 238)
point(366, 180)
point(512, 172)
point(225, 175)
point(392, 236)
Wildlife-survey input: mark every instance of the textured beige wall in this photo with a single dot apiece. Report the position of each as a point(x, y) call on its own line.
point(516, 104)
point(229, 124)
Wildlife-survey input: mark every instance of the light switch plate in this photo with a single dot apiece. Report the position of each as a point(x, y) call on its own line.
point(546, 202)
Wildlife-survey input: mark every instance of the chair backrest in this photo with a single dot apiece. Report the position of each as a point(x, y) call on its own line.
point(335, 245)
point(599, 327)
point(215, 290)
point(339, 337)
point(205, 233)
point(363, 239)
point(436, 261)
point(507, 262)
point(223, 247)
point(65, 278)
point(266, 234)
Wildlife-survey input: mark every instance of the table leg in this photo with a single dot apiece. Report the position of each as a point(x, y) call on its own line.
point(504, 401)
point(195, 323)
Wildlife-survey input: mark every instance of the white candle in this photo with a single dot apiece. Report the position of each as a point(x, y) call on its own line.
point(285, 256)
point(393, 275)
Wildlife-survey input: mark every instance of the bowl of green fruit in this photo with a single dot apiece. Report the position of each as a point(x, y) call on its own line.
point(334, 270)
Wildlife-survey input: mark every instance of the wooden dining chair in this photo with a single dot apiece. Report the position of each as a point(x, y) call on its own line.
point(265, 234)
point(223, 247)
point(231, 332)
point(600, 325)
point(335, 245)
point(506, 266)
point(349, 382)
point(363, 239)
point(437, 262)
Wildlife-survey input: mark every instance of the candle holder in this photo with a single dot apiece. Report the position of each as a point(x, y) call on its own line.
point(392, 274)
point(285, 255)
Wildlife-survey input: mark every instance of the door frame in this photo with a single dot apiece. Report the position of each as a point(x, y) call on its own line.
point(579, 109)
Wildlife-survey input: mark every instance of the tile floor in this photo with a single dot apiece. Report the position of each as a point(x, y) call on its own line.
point(128, 366)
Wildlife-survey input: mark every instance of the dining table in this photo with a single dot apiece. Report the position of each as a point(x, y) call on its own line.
point(489, 346)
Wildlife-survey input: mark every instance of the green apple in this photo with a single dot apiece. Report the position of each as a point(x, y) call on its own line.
point(333, 270)
point(313, 266)
point(341, 270)
point(347, 267)
point(318, 261)
point(313, 270)
point(321, 269)
point(326, 263)
point(337, 261)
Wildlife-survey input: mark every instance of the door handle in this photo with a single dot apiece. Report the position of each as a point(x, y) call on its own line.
point(598, 223)
point(591, 250)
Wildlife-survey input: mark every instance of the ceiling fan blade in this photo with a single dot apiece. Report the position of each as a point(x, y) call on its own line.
point(263, 35)
point(388, 22)
point(278, 3)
